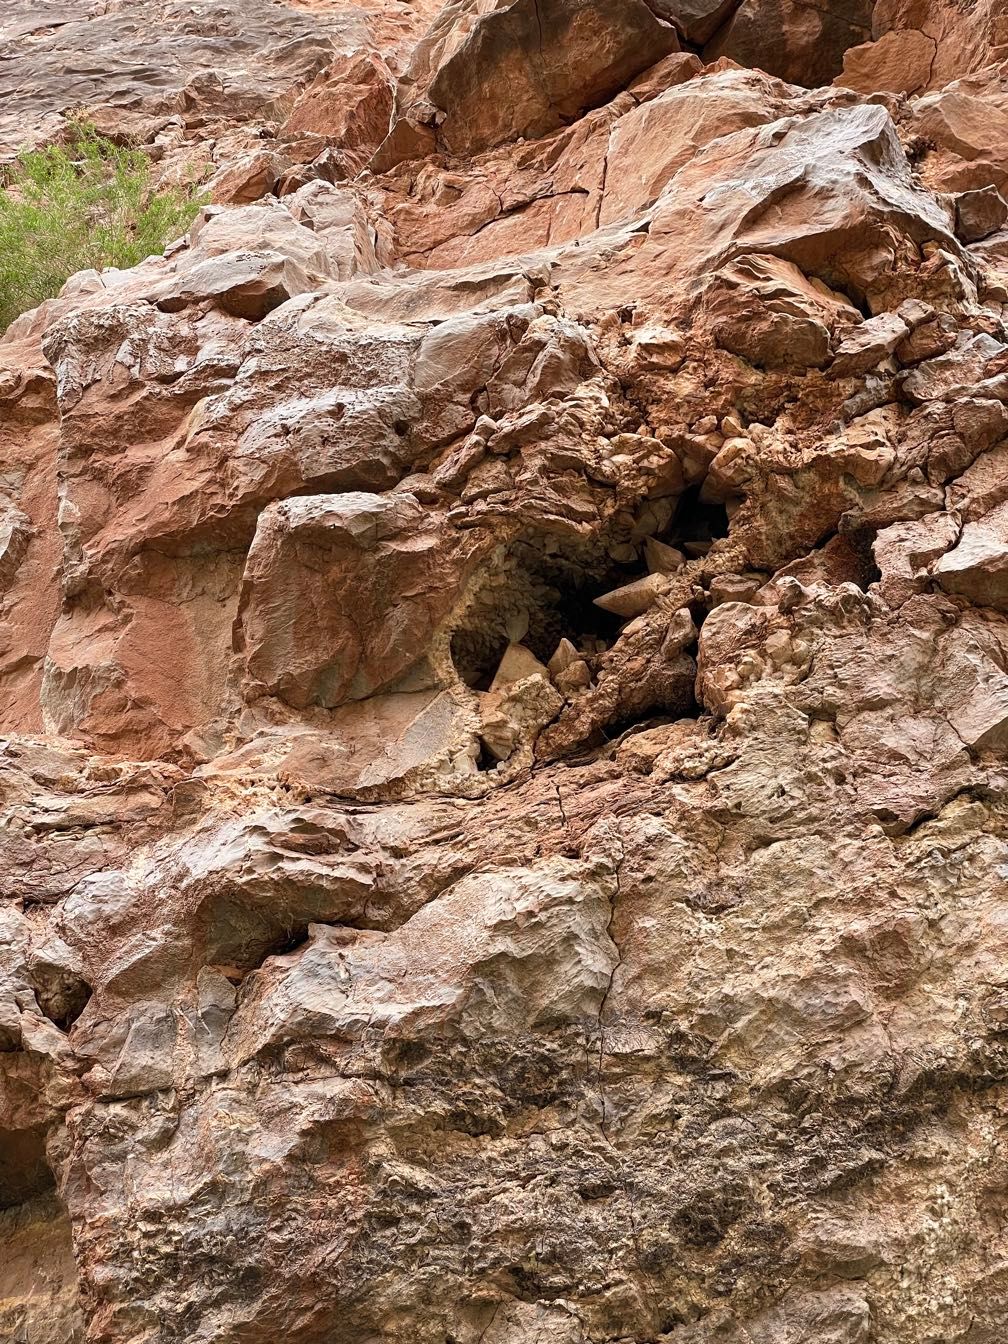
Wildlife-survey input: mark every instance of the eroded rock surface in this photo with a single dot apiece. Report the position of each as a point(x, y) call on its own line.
point(504, 681)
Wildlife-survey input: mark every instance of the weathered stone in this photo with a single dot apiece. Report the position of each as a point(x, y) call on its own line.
point(305, 554)
point(636, 598)
point(976, 567)
point(349, 103)
point(899, 62)
point(503, 633)
point(979, 214)
point(247, 179)
point(793, 39)
point(924, 44)
point(492, 73)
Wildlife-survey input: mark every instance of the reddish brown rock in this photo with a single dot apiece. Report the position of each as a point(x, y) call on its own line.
point(487, 74)
point(309, 551)
point(965, 129)
point(503, 679)
point(801, 42)
point(349, 103)
point(899, 62)
point(248, 179)
point(979, 214)
point(976, 564)
point(926, 44)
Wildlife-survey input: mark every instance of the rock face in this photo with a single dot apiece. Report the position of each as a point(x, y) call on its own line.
point(504, 681)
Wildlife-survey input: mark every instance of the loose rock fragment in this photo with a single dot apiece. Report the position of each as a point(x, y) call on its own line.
point(635, 598)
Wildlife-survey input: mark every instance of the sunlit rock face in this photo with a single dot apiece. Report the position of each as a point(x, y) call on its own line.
point(504, 681)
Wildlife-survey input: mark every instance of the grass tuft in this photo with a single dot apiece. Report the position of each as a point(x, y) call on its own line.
point(86, 205)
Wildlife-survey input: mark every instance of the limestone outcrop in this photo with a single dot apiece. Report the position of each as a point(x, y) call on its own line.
point(504, 681)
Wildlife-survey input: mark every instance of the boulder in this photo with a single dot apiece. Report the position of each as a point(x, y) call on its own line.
point(801, 42)
point(485, 75)
point(365, 576)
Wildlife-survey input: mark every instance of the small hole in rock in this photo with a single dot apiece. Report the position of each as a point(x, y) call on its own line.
point(289, 942)
point(64, 1010)
point(61, 992)
point(861, 544)
point(243, 938)
point(24, 1168)
point(697, 522)
point(486, 760)
point(543, 592)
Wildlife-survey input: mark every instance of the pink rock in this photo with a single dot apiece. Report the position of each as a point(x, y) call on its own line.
point(349, 103)
point(976, 567)
point(369, 545)
point(979, 214)
point(247, 179)
point(541, 62)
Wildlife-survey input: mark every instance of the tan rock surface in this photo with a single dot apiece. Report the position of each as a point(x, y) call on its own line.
point(925, 44)
point(504, 682)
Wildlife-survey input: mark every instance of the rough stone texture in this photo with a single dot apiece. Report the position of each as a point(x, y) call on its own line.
point(504, 682)
point(925, 44)
point(546, 61)
point(800, 40)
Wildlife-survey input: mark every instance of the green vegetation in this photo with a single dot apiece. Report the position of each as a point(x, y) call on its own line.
point(85, 205)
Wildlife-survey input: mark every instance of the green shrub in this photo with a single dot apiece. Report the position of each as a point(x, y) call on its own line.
point(70, 208)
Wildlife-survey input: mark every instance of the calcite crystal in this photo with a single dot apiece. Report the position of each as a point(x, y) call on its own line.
point(504, 680)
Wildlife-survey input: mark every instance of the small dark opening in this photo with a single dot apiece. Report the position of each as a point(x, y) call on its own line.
point(24, 1168)
point(486, 759)
point(697, 522)
point(686, 708)
point(861, 541)
point(556, 591)
point(288, 942)
point(243, 938)
point(65, 1004)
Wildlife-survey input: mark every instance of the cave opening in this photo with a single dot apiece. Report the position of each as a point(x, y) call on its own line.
point(241, 939)
point(289, 941)
point(543, 591)
point(63, 1001)
point(39, 1286)
point(697, 523)
point(544, 588)
point(858, 542)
